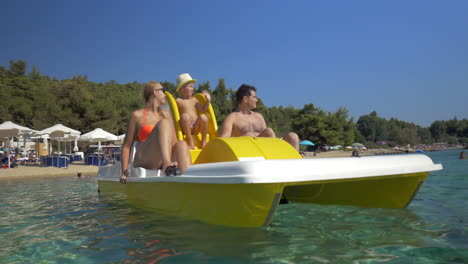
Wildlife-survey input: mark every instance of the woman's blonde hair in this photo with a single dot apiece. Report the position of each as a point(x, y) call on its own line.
point(149, 89)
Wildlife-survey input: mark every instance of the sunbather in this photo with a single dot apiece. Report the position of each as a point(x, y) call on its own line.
point(246, 122)
point(153, 128)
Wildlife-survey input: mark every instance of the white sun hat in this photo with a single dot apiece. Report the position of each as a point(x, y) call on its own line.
point(183, 79)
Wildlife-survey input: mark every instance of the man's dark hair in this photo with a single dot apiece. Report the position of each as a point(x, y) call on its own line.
point(244, 90)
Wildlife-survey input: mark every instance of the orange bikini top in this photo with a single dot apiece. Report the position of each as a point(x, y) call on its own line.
point(145, 130)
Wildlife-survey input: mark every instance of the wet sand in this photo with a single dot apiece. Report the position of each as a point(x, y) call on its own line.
point(27, 171)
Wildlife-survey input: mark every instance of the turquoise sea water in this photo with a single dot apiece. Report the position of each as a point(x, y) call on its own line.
point(63, 220)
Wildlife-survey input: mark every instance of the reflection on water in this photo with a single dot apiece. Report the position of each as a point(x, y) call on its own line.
point(63, 220)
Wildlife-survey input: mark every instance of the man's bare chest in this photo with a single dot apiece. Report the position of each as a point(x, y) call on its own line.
point(249, 125)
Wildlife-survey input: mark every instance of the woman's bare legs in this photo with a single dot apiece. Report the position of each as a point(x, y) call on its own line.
point(161, 150)
point(181, 154)
point(155, 152)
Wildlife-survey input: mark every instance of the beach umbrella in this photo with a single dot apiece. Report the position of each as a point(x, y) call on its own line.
point(358, 146)
point(66, 138)
point(60, 132)
point(306, 143)
point(9, 129)
point(120, 139)
point(98, 135)
point(44, 138)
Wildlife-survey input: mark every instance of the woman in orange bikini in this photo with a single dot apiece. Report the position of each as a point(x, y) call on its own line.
point(153, 127)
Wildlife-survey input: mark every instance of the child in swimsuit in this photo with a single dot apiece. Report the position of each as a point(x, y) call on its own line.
point(190, 122)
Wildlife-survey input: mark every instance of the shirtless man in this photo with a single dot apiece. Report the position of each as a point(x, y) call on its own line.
point(245, 122)
point(190, 122)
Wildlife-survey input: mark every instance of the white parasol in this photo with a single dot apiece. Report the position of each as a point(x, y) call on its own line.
point(60, 133)
point(9, 129)
point(120, 139)
point(44, 138)
point(58, 130)
point(98, 135)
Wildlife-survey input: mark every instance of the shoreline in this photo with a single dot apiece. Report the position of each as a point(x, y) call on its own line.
point(348, 153)
point(38, 171)
point(369, 152)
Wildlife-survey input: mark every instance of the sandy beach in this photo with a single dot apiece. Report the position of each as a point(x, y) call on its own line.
point(348, 153)
point(25, 171)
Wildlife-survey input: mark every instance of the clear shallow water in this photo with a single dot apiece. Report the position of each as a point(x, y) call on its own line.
point(63, 220)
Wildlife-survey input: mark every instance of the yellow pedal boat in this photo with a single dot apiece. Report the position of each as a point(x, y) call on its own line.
point(240, 181)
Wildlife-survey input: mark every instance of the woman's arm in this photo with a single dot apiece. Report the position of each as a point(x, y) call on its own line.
point(125, 153)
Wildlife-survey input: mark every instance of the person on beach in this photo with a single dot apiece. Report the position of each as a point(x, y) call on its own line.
point(190, 122)
point(4, 160)
point(153, 129)
point(462, 155)
point(246, 122)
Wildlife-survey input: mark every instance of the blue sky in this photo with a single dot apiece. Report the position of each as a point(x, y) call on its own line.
point(403, 59)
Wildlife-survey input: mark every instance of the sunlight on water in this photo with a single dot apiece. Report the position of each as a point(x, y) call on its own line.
point(63, 220)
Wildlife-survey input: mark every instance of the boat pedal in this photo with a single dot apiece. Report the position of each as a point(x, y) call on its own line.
point(172, 171)
point(283, 200)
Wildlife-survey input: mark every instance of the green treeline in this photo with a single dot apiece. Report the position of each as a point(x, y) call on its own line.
point(373, 129)
point(37, 101)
